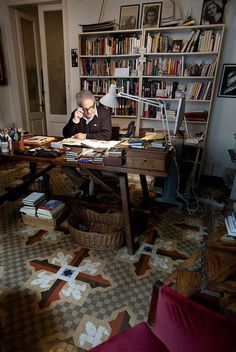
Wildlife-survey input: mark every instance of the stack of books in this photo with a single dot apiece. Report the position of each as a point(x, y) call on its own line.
point(136, 143)
point(31, 203)
point(230, 222)
point(158, 145)
point(50, 209)
point(72, 155)
point(116, 151)
point(102, 26)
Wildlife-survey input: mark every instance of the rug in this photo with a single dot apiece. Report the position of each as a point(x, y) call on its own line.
point(57, 295)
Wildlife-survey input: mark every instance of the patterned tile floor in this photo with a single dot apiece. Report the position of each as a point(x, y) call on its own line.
point(54, 293)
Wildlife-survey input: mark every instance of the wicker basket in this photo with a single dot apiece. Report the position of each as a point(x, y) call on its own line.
point(105, 230)
point(44, 224)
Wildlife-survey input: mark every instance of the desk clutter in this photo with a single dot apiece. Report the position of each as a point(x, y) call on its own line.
point(37, 211)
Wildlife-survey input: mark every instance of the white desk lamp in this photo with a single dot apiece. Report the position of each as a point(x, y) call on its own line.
point(110, 100)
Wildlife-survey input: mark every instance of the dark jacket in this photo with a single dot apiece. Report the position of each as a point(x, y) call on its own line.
point(98, 128)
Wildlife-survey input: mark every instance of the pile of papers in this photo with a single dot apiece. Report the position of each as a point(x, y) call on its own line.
point(31, 203)
point(230, 222)
point(50, 209)
point(102, 26)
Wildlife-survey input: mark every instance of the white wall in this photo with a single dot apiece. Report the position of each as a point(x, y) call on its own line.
point(223, 122)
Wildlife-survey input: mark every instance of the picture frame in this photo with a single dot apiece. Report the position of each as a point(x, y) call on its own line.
point(212, 11)
point(3, 75)
point(227, 86)
point(151, 15)
point(129, 17)
point(177, 46)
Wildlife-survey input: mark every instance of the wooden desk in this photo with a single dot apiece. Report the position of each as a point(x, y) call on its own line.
point(93, 171)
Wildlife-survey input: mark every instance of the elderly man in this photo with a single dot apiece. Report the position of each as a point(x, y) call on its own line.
point(86, 122)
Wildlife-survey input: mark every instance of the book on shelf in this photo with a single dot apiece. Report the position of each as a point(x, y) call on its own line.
point(198, 116)
point(101, 86)
point(107, 67)
point(163, 67)
point(111, 45)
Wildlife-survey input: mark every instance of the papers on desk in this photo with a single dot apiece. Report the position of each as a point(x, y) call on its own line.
point(89, 143)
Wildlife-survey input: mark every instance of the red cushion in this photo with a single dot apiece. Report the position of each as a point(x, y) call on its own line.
point(183, 325)
point(139, 339)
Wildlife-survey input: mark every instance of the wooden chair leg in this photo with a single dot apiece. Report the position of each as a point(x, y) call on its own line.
point(153, 303)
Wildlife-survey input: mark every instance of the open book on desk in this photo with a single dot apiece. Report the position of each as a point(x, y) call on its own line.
point(89, 143)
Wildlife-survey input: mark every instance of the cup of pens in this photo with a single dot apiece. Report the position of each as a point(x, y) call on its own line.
point(5, 147)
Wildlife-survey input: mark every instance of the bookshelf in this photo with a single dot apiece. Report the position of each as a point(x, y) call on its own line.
point(153, 70)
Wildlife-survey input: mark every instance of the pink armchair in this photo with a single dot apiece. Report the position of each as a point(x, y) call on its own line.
point(177, 324)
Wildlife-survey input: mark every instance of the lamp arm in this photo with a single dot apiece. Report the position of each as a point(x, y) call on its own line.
point(141, 99)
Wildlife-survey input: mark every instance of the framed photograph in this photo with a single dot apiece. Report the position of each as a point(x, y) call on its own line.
point(151, 15)
point(177, 46)
point(212, 11)
point(227, 87)
point(3, 77)
point(129, 16)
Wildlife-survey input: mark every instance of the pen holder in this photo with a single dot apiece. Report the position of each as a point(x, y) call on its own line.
point(4, 147)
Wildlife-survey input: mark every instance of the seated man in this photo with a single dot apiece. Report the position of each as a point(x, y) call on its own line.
point(86, 122)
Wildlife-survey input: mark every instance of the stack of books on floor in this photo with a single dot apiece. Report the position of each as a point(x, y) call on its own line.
point(32, 202)
point(230, 222)
point(50, 209)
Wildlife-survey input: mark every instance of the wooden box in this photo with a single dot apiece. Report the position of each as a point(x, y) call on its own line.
point(148, 159)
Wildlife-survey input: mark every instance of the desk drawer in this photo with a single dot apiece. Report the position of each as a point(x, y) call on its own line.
point(145, 163)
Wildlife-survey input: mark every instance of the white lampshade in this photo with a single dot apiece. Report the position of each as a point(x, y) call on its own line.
point(110, 99)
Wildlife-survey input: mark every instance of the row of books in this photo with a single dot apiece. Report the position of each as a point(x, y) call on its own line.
point(157, 43)
point(230, 222)
point(163, 66)
point(163, 89)
point(205, 41)
point(154, 112)
point(126, 107)
point(101, 67)
point(196, 116)
point(203, 70)
point(101, 86)
point(36, 204)
point(199, 90)
point(112, 45)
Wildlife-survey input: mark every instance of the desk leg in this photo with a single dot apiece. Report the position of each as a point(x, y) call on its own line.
point(144, 185)
point(33, 168)
point(124, 190)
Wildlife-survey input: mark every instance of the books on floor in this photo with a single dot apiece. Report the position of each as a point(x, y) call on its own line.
point(31, 202)
point(230, 222)
point(50, 209)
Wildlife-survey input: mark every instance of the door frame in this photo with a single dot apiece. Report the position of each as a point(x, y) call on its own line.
point(10, 31)
point(41, 10)
point(18, 15)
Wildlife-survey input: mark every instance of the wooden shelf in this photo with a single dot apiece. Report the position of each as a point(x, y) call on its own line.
point(107, 33)
point(107, 56)
point(124, 117)
point(107, 77)
point(198, 53)
point(179, 77)
point(185, 28)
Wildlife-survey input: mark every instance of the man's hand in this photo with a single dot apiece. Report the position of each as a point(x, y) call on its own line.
point(80, 136)
point(78, 114)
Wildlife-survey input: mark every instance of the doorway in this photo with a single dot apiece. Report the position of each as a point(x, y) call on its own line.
point(42, 68)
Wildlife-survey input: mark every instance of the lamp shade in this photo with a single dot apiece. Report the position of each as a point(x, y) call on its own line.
point(110, 99)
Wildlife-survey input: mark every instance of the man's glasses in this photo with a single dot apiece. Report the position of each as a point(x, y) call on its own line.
point(89, 109)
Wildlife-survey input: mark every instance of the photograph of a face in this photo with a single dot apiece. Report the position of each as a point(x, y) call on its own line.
point(212, 11)
point(129, 16)
point(227, 87)
point(151, 15)
point(177, 46)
